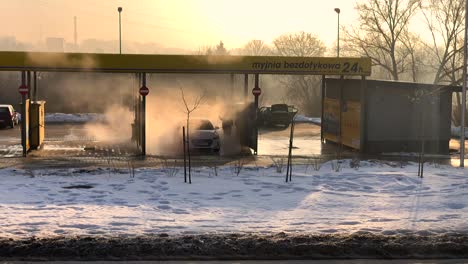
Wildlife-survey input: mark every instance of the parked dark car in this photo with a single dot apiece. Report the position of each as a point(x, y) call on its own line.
point(276, 114)
point(8, 116)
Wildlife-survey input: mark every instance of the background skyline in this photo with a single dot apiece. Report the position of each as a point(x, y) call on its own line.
point(182, 24)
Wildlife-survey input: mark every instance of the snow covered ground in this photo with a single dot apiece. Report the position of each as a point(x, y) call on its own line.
point(73, 118)
point(305, 119)
point(377, 197)
point(456, 132)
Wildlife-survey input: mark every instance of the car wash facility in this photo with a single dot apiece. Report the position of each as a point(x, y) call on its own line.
point(30, 63)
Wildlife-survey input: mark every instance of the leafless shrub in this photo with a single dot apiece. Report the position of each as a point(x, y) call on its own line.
point(316, 163)
point(278, 163)
point(237, 167)
point(131, 168)
point(355, 163)
point(170, 168)
point(401, 161)
point(109, 165)
point(215, 168)
point(435, 163)
point(336, 165)
point(30, 173)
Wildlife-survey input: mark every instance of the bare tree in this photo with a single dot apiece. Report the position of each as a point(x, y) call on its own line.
point(416, 53)
point(300, 44)
point(444, 18)
point(379, 35)
point(445, 21)
point(212, 50)
point(256, 48)
point(204, 50)
point(189, 108)
point(302, 90)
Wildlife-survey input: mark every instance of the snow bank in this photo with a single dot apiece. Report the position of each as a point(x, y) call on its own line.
point(73, 118)
point(305, 119)
point(376, 197)
point(456, 132)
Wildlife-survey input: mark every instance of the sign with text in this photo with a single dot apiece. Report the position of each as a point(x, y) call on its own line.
point(317, 66)
point(130, 63)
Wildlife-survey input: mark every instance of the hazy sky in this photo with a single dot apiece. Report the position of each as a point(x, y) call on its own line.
point(186, 24)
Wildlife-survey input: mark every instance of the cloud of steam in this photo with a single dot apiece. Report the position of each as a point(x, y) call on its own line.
point(166, 114)
point(112, 95)
point(58, 60)
point(85, 92)
point(115, 128)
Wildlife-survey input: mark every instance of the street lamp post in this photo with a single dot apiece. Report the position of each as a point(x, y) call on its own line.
point(120, 29)
point(120, 45)
point(337, 10)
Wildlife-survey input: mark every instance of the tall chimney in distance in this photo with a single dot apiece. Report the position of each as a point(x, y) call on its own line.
point(75, 35)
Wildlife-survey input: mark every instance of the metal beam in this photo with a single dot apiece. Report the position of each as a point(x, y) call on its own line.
point(23, 117)
point(231, 93)
point(143, 106)
point(246, 87)
point(363, 116)
point(28, 83)
point(465, 57)
point(257, 80)
point(35, 86)
point(323, 106)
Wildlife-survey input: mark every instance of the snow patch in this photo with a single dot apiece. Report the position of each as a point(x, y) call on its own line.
point(456, 132)
point(305, 119)
point(73, 118)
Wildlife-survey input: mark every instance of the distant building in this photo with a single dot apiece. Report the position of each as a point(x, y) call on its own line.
point(55, 44)
point(8, 43)
point(71, 47)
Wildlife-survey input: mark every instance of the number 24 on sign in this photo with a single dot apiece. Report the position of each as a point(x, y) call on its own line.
point(347, 67)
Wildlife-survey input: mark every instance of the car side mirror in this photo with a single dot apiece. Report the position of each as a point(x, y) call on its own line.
point(216, 127)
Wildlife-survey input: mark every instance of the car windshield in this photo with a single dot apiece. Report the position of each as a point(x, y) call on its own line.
point(201, 125)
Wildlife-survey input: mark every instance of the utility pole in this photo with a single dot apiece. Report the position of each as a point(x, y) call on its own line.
point(462, 123)
point(75, 33)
